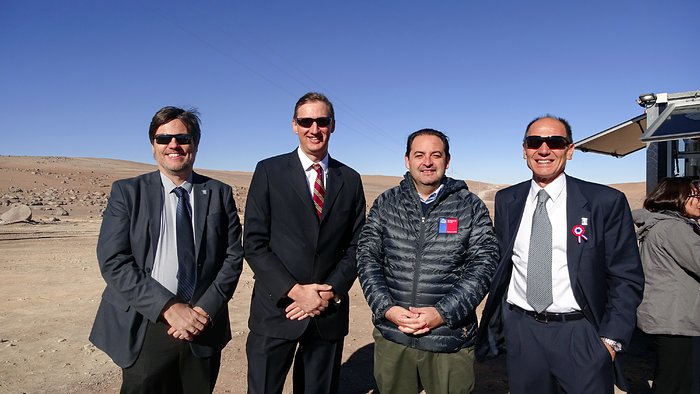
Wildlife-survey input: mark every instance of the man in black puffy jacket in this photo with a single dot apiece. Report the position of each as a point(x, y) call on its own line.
point(426, 256)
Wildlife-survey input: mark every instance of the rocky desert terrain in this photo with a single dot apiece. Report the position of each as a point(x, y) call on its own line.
point(50, 283)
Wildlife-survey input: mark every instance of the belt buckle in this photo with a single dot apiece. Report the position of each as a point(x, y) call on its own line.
point(541, 317)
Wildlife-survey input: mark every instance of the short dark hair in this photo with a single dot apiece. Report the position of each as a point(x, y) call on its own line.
point(567, 126)
point(670, 194)
point(314, 96)
point(189, 117)
point(436, 133)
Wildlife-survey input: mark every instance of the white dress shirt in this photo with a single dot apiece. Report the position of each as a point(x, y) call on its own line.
point(306, 164)
point(562, 294)
point(165, 264)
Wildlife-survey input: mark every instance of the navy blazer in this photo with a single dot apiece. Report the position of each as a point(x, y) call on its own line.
point(286, 243)
point(126, 249)
point(605, 271)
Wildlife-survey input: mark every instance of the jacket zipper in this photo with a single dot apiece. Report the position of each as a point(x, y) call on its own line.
point(416, 268)
point(419, 258)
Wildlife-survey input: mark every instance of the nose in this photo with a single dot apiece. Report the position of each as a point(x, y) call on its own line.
point(543, 150)
point(173, 143)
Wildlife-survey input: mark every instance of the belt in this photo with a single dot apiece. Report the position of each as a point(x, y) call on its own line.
point(546, 317)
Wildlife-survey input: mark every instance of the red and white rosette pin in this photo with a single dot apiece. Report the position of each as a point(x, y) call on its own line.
point(579, 232)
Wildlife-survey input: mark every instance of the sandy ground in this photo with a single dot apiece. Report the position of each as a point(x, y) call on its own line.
point(51, 284)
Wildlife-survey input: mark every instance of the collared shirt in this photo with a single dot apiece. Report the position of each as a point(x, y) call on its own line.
point(425, 202)
point(165, 263)
point(432, 196)
point(306, 164)
point(562, 294)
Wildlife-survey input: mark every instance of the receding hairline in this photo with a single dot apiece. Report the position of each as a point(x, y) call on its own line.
point(562, 121)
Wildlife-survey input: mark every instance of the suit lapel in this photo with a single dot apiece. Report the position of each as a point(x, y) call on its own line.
point(335, 183)
point(516, 206)
point(202, 195)
point(576, 208)
point(509, 212)
point(298, 183)
point(154, 207)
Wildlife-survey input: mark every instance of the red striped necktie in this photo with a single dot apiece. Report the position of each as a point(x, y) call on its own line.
point(319, 190)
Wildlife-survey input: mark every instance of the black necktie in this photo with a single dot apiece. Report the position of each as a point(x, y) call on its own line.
point(186, 271)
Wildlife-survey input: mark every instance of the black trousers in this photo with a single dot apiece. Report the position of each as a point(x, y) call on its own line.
point(545, 358)
point(316, 363)
point(677, 365)
point(166, 365)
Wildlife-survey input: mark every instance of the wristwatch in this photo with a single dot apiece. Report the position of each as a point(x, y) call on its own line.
point(615, 345)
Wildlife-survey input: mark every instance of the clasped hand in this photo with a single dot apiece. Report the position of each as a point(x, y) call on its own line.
point(414, 321)
point(185, 321)
point(308, 300)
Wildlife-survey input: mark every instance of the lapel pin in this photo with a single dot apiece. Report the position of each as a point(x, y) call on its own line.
point(584, 221)
point(204, 191)
point(579, 232)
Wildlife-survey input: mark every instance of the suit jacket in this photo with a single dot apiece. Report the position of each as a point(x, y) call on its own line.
point(126, 249)
point(286, 243)
point(605, 271)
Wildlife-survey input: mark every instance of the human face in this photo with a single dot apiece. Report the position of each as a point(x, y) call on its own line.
point(427, 162)
point(174, 160)
point(692, 205)
point(546, 163)
point(313, 140)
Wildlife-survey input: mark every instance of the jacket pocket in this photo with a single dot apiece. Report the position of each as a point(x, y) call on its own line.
point(115, 300)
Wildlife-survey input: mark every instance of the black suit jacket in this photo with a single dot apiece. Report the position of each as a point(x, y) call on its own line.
point(605, 271)
point(126, 249)
point(285, 243)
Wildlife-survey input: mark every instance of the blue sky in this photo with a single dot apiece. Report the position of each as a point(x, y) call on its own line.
point(83, 78)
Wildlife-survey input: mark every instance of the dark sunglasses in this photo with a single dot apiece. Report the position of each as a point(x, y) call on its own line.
point(554, 142)
point(182, 139)
point(321, 122)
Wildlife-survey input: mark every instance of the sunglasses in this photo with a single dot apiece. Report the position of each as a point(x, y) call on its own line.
point(554, 142)
point(320, 122)
point(182, 139)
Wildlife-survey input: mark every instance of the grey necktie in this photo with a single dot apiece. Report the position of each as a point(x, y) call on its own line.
point(186, 273)
point(539, 259)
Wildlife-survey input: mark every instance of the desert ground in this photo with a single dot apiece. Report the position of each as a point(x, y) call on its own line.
point(51, 284)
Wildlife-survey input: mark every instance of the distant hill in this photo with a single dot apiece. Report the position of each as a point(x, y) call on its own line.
point(80, 186)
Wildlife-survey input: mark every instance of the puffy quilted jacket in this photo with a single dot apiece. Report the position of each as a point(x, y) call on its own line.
point(405, 258)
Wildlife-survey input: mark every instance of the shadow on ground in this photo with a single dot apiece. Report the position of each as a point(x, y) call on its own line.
point(356, 374)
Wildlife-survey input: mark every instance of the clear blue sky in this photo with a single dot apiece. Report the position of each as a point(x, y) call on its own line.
point(83, 78)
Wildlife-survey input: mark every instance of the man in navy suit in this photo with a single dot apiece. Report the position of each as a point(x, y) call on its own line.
point(303, 218)
point(170, 252)
point(563, 319)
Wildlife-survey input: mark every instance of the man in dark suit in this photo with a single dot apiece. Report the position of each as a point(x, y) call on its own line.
point(170, 252)
point(564, 297)
point(303, 217)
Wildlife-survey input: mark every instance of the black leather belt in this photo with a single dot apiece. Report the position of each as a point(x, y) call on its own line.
point(546, 317)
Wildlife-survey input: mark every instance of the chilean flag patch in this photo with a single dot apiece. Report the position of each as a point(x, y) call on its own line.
point(448, 226)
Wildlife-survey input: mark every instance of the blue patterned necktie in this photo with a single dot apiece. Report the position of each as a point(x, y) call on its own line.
point(539, 260)
point(186, 265)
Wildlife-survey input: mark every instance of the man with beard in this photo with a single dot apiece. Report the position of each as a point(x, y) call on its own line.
point(170, 252)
